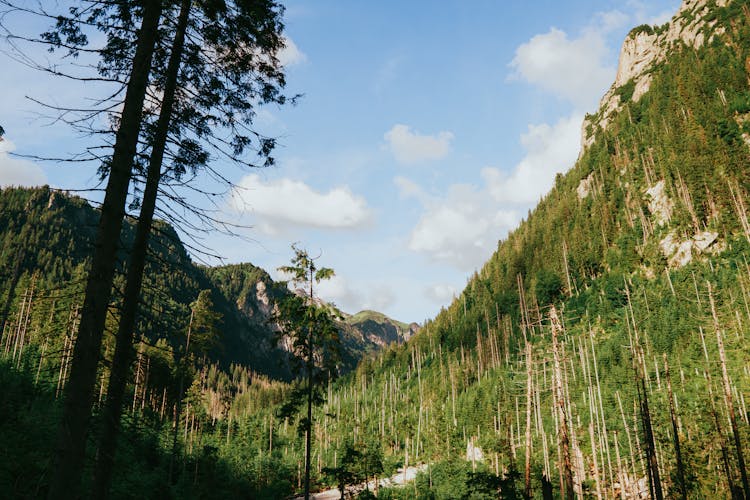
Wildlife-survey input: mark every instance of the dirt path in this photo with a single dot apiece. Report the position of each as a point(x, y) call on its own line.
point(400, 478)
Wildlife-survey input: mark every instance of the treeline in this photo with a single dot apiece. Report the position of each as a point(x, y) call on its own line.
point(644, 388)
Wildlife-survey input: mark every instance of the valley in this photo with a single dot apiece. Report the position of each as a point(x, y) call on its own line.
point(603, 350)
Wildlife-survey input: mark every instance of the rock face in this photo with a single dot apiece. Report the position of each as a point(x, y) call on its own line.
point(379, 330)
point(584, 187)
point(680, 252)
point(644, 47)
point(659, 203)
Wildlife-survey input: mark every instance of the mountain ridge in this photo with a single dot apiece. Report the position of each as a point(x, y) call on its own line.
point(49, 234)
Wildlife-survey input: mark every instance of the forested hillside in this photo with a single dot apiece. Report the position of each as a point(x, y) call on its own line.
point(602, 351)
point(617, 311)
point(46, 246)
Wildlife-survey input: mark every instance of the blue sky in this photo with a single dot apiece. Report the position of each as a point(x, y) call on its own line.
point(426, 131)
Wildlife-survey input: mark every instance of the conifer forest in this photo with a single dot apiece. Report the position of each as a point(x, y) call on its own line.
point(602, 351)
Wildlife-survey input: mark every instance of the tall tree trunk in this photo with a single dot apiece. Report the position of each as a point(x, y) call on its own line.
point(567, 472)
point(178, 405)
point(124, 339)
point(74, 425)
point(308, 422)
point(653, 464)
point(728, 398)
point(715, 415)
point(676, 433)
point(529, 404)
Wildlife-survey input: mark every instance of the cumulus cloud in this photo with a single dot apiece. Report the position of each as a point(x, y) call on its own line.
point(290, 55)
point(576, 69)
point(550, 149)
point(580, 68)
point(284, 203)
point(352, 299)
point(440, 293)
point(460, 228)
point(17, 171)
point(642, 13)
point(409, 147)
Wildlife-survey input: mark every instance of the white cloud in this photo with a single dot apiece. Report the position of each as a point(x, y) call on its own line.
point(462, 228)
point(581, 68)
point(285, 203)
point(575, 69)
point(17, 171)
point(549, 150)
point(410, 147)
point(352, 299)
point(643, 15)
point(409, 189)
point(440, 293)
point(290, 55)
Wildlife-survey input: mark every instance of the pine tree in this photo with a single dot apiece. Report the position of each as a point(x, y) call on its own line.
point(74, 425)
point(256, 29)
point(310, 329)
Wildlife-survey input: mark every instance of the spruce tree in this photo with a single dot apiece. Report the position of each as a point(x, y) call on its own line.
point(247, 35)
point(313, 335)
point(74, 425)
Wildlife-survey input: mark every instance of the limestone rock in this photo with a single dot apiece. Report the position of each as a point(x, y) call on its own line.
point(641, 51)
point(680, 252)
point(659, 203)
point(584, 187)
point(704, 239)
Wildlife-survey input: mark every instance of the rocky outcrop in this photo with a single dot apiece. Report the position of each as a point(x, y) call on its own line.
point(584, 187)
point(644, 47)
point(659, 204)
point(473, 453)
point(680, 252)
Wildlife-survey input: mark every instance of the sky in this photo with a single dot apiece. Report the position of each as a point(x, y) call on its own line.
point(425, 132)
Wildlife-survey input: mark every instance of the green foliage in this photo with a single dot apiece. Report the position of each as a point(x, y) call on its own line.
point(462, 378)
point(548, 288)
point(625, 91)
point(643, 28)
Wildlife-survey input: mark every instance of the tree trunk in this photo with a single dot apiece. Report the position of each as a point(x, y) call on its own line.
point(124, 339)
point(728, 398)
point(71, 440)
point(308, 422)
point(653, 464)
point(567, 472)
point(529, 404)
point(676, 434)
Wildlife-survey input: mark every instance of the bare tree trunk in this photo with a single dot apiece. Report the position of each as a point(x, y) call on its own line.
point(728, 397)
point(676, 433)
point(74, 425)
point(178, 404)
point(653, 463)
point(567, 472)
point(717, 421)
point(308, 423)
point(529, 405)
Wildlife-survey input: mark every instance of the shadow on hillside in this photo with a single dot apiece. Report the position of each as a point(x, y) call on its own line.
point(28, 424)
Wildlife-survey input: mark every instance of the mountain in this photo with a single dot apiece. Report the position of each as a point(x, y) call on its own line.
point(380, 330)
point(619, 303)
point(601, 351)
point(47, 238)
